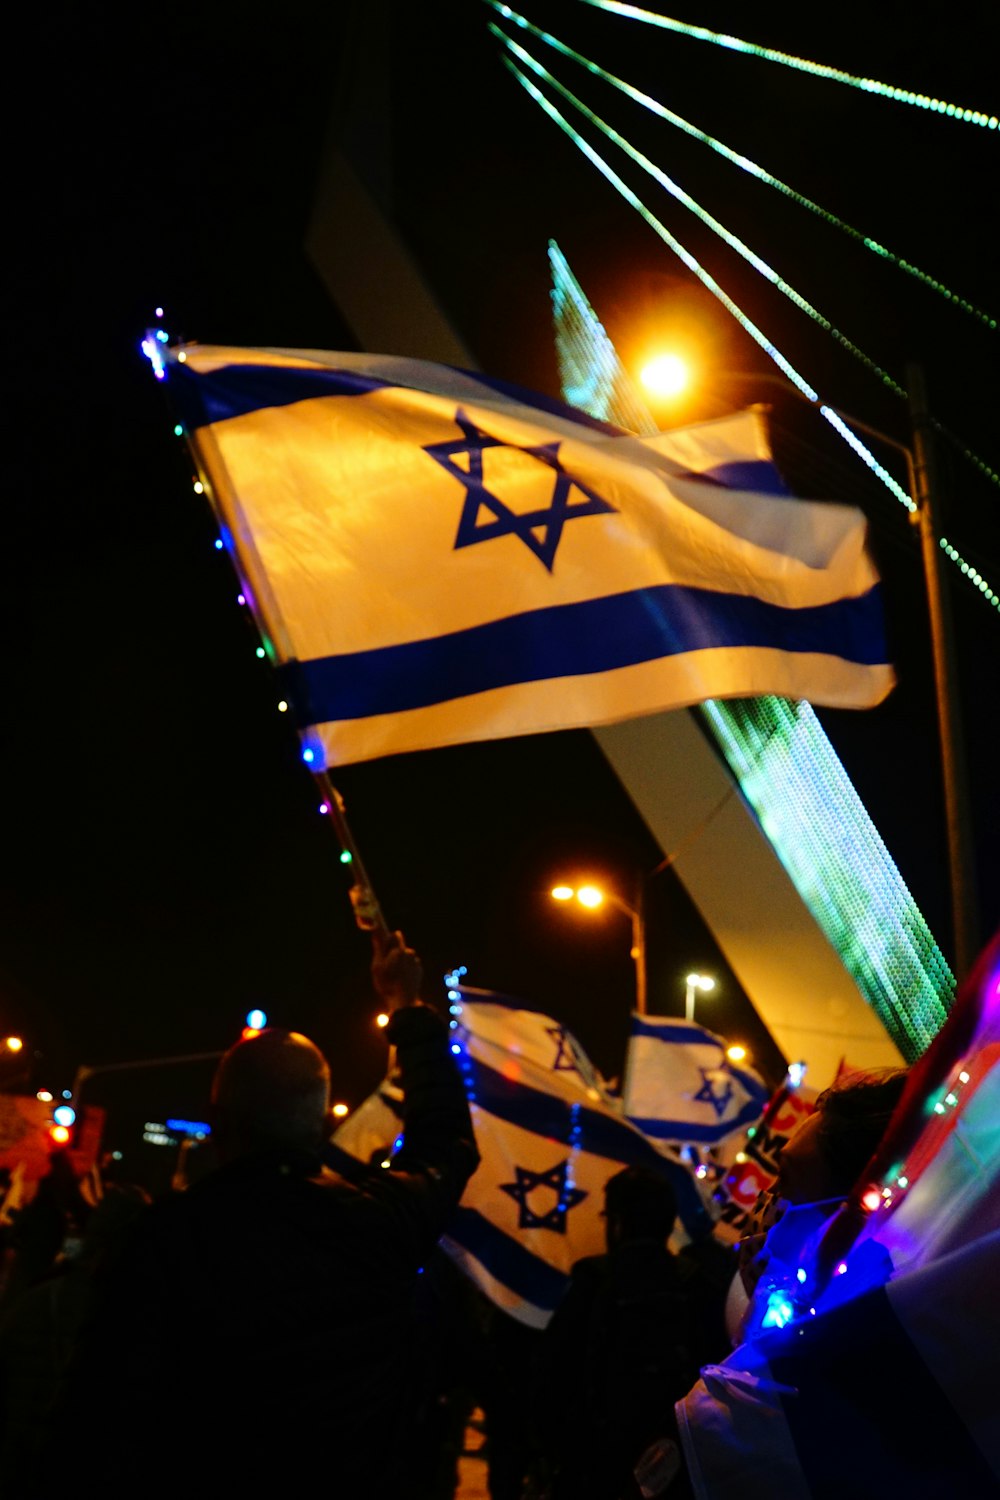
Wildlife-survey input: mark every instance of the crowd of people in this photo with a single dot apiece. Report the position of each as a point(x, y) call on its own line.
point(279, 1318)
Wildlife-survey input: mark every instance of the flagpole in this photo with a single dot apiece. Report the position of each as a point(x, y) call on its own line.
point(367, 910)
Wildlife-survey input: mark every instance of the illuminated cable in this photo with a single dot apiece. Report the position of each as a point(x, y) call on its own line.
point(800, 64)
point(707, 280)
point(733, 241)
point(744, 163)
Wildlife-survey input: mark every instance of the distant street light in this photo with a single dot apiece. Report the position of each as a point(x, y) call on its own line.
point(736, 1053)
point(695, 982)
point(13, 1043)
point(591, 897)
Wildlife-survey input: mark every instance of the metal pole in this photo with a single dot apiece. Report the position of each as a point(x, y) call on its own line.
point(956, 797)
point(689, 1001)
point(639, 952)
point(367, 911)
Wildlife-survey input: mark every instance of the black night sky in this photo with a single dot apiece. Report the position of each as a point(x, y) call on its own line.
point(164, 865)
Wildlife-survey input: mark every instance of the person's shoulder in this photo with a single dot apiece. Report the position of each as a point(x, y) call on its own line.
point(590, 1271)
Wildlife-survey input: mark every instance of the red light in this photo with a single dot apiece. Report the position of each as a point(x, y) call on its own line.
point(248, 1032)
point(59, 1134)
point(871, 1199)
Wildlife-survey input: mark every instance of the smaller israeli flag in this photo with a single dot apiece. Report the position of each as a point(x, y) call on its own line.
point(549, 1137)
point(680, 1087)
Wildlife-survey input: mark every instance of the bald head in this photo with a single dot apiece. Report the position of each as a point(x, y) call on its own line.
point(272, 1090)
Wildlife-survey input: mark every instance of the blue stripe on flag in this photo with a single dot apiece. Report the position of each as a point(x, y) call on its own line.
point(574, 640)
point(685, 1130)
point(237, 390)
point(756, 474)
point(687, 1035)
point(549, 1115)
point(509, 1261)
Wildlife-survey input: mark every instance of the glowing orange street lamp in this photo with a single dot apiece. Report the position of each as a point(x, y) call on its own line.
point(591, 897)
point(666, 375)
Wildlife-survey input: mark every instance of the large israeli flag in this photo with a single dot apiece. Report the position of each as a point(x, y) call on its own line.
point(549, 1137)
point(436, 558)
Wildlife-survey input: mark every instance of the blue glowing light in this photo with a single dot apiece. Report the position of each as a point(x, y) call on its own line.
point(256, 1020)
point(151, 349)
point(308, 756)
point(780, 1310)
point(456, 1048)
point(197, 1128)
point(64, 1114)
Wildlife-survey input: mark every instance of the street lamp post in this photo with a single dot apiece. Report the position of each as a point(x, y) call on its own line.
point(693, 984)
point(590, 896)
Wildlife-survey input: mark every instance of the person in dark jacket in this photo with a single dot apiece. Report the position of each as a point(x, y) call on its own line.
point(625, 1343)
point(258, 1329)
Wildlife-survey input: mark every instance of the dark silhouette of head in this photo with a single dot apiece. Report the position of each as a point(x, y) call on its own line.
point(270, 1092)
point(828, 1152)
point(640, 1205)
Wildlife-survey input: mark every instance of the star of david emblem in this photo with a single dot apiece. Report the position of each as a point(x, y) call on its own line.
point(713, 1079)
point(565, 1061)
point(554, 1181)
point(540, 530)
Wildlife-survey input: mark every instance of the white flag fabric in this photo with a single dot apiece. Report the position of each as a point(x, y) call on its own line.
point(435, 558)
point(680, 1086)
point(549, 1137)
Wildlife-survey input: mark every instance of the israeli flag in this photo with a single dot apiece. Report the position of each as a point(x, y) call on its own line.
point(549, 1136)
point(434, 557)
point(680, 1087)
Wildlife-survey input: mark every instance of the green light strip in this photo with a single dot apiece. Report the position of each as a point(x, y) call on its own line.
point(785, 765)
point(800, 64)
point(733, 241)
point(684, 255)
point(744, 162)
point(968, 571)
